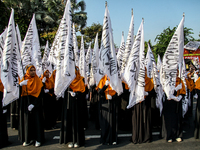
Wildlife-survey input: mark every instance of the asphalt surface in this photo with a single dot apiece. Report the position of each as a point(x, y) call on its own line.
point(92, 139)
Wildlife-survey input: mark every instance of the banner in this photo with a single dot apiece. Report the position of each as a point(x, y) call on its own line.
point(30, 52)
point(107, 55)
point(120, 53)
point(129, 44)
point(134, 74)
point(65, 67)
point(9, 64)
point(171, 61)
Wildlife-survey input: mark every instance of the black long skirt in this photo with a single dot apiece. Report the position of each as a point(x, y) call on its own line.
point(31, 122)
point(197, 118)
point(3, 126)
point(108, 119)
point(14, 114)
point(72, 129)
point(172, 120)
point(49, 107)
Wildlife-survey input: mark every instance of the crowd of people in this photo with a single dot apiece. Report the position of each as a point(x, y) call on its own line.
point(38, 109)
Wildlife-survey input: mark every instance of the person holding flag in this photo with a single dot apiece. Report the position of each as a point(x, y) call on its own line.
point(72, 129)
point(108, 112)
point(30, 110)
point(48, 101)
point(172, 113)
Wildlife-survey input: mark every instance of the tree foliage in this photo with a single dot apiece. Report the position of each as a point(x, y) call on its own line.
point(163, 39)
point(48, 15)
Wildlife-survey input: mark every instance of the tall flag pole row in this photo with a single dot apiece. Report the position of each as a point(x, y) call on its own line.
point(128, 65)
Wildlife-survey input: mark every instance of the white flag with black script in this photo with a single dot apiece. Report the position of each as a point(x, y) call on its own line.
point(107, 55)
point(96, 75)
point(88, 59)
point(185, 101)
point(30, 52)
point(120, 53)
point(171, 61)
point(65, 68)
point(82, 61)
point(46, 65)
point(129, 44)
point(149, 62)
point(159, 62)
point(9, 64)
point(134, 74)
point(156, 79)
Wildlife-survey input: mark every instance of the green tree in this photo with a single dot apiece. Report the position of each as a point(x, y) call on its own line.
point(163, 39)
point(5, 14)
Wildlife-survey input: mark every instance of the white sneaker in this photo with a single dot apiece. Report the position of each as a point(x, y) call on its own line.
point(169, 141)
point(76, 145)
point(114, 143)
point(70, 145)
point(37, 144)
point(27, 144)
point(178, 139)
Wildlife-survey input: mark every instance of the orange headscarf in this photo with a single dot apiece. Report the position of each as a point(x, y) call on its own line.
point(53, 75)
point(109, 89)
point(77, 84)
point(33, 86)
point(182, 90)
point(191, 83)
point(126, 86)
point(49, 84)
point(197, 84)
point(1, 86)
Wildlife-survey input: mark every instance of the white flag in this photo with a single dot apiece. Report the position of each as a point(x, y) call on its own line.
point(30, 52)
point(46, 65)
point(95, 75)
point(19, 41)
point(134, 74)
point(129, 44)
point(88, 59)
point(2, 42)
point(120, 53)
point(153, 72)
point(65, 68)
point(9, 65)
point(82, 61)
point(148, 62)
point(107, 55)
point(159, 62)
point(171, 61)
point(185, 100)
point(76, 52)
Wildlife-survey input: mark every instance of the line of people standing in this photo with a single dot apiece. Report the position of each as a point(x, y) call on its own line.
point(36, 111)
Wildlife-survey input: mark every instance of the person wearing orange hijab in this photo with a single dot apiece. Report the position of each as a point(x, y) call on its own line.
point(172, 114)
point(30, 115)
point(72, 130)
point(141, 115)
point(3, 121)
point(108, 112)
point(197, 115)
point(48, 101)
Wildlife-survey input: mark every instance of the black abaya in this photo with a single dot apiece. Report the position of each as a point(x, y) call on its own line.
point(3, 126)
point(172, 119)
point(197, 117)
point(31, 122)
point(108, 117)
point(72, 129)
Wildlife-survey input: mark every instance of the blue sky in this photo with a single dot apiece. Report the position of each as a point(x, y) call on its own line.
point(157, 14)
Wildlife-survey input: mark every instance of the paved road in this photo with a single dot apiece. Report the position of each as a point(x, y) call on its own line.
point(92, 142)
